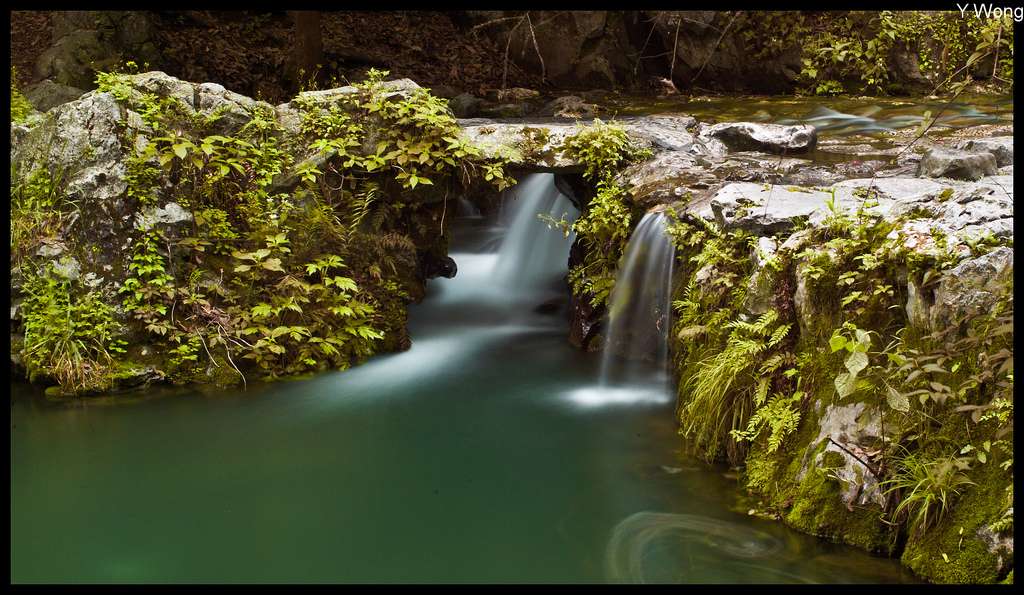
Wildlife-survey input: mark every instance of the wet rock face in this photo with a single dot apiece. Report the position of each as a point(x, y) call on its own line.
point(584, 318)
point(939, 162)
point(750, 136)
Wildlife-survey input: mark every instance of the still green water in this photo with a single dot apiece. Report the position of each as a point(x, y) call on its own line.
point(465, 459)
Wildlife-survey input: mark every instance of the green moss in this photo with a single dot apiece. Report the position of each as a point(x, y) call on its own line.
point(967, 558)
point(818, 510)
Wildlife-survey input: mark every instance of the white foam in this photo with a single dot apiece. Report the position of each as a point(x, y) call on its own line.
point(602, 396)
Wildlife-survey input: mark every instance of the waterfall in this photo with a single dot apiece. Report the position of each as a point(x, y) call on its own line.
point(638, 308)
point(532, 254)
point(634, 363)
point(521, 260)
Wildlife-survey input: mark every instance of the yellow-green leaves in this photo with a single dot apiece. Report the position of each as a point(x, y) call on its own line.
point(856, 342)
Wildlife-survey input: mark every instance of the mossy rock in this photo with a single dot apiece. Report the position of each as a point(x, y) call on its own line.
point(944, 554)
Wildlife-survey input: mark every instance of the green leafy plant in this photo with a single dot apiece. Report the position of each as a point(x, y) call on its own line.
point(725, 387)
point(20, 106)
point(70, 335)
point(603, 150)
point(856, 342)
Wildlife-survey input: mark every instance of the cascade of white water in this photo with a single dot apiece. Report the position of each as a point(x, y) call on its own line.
point(638, 307)
point(634, 363)
point(520, 260)
point(532, 253)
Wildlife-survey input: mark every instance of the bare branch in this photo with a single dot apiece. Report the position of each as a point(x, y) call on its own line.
point(714, 49)
point(543, 70)
point(493, 22)
point(675, 46)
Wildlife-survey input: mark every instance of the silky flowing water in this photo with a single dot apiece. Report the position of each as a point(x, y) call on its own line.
point(464, 459)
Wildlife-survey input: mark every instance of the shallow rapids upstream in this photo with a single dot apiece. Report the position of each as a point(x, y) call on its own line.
point(465, 459)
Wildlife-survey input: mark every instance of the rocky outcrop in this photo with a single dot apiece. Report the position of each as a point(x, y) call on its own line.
point(853, 432)
point(767, 208)
point(971, 288)
point(535, 143)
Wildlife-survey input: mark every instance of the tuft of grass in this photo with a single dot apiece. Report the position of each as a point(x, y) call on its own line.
point(927, 488)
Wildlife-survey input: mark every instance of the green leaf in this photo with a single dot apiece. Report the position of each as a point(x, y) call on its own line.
point(180, 150)
point(261, 310)
point(846, 384)
point(837, 342)
point(897, 401)
point(857, 361)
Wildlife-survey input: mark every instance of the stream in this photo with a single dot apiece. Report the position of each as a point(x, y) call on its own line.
point(470, 458)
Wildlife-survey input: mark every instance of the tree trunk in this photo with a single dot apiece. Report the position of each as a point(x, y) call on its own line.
point(309, 47)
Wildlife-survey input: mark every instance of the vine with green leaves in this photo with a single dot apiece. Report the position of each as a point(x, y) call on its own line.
point(603, 149)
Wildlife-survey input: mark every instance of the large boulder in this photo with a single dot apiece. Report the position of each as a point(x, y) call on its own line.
point(47, 94)
point(751, 136)
point(85, 140)
point(87, 42)
point(81, 140)
point(939, 162)
point(1001, 147)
